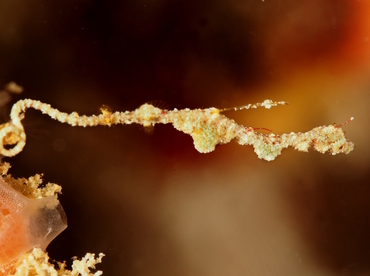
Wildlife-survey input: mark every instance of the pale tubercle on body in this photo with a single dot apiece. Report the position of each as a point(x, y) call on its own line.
point(27, 223)
point(208, 128)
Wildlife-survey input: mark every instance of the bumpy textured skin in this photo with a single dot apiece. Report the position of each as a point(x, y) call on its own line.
point(208, 128)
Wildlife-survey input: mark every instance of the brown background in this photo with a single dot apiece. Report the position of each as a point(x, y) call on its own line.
point(151, 202)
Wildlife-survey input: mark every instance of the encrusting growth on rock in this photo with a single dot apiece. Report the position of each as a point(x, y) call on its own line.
point(30, 217)
point(208, 128)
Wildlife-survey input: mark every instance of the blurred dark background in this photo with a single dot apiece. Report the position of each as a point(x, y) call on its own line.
point(151, 202)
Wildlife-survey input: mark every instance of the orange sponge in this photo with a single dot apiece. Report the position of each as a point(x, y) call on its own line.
point(27, 223)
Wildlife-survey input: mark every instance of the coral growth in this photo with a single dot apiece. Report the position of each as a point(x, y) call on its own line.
point(30, 218)
point(27, 223)
point(37, 263)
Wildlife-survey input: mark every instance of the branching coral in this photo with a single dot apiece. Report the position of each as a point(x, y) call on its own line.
point(37, 263)
point(208, 128)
